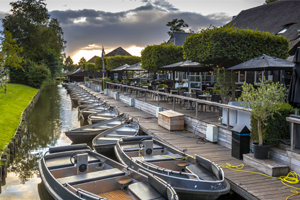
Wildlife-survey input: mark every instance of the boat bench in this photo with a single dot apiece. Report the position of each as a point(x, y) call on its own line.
point(65, 162)
point(117, 135)
point(142, 190)
point(92, 176)
point(136, 148)
point(158, 158)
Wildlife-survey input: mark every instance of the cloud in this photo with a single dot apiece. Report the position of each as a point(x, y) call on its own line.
point(142, 26)
point(221, 17)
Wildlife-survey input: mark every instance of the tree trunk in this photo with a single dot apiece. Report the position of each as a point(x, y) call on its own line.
point(5, 89)
point(260, 138)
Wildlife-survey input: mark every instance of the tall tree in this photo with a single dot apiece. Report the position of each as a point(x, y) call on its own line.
point(31, 27)
point(53, 63)
point(81, 61)
point(176, 26)
point(69, 64)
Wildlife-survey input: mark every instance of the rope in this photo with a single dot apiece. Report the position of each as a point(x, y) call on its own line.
point(291, 178)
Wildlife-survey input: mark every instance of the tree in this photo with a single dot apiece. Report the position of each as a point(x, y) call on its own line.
point(228, 46)
point(156, 56)
point(53, 63)
point(31, 27)
point(263, 101)
point(176, 26)
point(89, 67)
point(81, 61)
point(113, 62)
point(225, 81)
point(69, 64)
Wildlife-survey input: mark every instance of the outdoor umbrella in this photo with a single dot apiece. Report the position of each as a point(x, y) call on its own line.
point(294, 90)
point(187, 66)
point(122, 67)
point(135, 67)
point(264, 63)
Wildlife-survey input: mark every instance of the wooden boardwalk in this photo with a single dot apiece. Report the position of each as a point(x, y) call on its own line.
point(247, 185)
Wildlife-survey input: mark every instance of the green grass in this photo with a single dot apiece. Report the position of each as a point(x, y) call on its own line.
point(12, 105)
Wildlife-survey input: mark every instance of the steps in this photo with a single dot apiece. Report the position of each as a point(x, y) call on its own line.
point(268, 166)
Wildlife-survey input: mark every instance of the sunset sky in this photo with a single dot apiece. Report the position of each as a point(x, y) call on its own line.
point(132, 24)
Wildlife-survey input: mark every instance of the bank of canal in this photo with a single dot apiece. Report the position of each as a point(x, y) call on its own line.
point(45, 127)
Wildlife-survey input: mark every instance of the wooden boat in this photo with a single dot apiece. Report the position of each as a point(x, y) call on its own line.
point(104, 115)
point(87, 133)
point(76, 172)
point(193, 177)
point(104, 142)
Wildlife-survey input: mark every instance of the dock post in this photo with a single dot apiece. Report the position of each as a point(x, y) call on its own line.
point(228, 118)
point(196, 110)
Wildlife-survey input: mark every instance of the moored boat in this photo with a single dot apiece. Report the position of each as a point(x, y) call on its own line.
point(87, 133)
point(75, 172)
point(193, 177)
point(104, 115)
point(104, 142)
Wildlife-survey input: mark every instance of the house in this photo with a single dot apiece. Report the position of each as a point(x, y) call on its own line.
point(178, 38)
point(118, 51)
point(280, 18)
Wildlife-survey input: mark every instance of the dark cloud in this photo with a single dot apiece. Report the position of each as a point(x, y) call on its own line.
point(142, 26)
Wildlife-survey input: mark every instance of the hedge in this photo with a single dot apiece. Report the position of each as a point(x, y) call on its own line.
point(156, 56)
point(228, 46)
point(37, 75)
point(274, 128)
point(113, 62)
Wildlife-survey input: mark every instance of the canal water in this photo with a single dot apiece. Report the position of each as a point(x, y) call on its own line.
point(50, 118)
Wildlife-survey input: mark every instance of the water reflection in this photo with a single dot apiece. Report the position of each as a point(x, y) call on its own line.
point(51, 117)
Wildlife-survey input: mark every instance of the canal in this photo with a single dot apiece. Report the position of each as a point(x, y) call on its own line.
point(50, 118)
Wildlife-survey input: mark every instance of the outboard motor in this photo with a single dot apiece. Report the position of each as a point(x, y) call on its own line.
point(82, 163)
point(148, 147)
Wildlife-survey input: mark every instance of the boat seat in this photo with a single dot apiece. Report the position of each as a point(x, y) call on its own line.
point(108, 139)
point(136, 148)
point(158, 158)
point(142, 190)
point(202, 173)
point(92, 176)
point(117, 135)
point(125, 182)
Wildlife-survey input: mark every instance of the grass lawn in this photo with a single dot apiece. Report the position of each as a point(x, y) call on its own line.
point(12, 105)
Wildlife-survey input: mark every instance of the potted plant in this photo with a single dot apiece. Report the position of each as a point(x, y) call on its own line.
point(263, 102)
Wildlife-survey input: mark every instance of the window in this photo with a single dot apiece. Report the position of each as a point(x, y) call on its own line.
point(240, 76)
point(258, 76)
point(184, 75)
point(284, 29)
point(176, 75)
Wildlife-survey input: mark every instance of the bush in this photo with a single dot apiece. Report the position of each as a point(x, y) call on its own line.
point(228, 46)
point(37, 75)
point(274, 128)
point(156, 56)
point(19, 75)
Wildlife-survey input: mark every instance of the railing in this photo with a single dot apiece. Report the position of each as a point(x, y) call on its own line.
point(120, 87)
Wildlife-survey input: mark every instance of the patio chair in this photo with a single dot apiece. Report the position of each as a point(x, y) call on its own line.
point(215, 98)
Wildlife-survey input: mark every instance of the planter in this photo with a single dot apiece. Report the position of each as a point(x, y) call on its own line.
point(261, 152)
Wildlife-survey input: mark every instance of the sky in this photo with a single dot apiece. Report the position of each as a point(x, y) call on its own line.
point(132, 24)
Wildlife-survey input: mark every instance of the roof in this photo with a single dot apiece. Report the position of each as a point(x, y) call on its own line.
point(187, 66)
point(118, 51)
point(122, 67)
point(135, 67)
point(92, 60)
point(178, 38)
point(273, 17)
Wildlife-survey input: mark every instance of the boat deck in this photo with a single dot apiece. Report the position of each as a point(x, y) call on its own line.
point(117, 194)
point(247, 185)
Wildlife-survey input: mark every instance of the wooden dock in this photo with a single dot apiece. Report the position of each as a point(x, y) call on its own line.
point(248, 185)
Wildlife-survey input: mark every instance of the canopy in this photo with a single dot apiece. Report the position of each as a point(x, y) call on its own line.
point(187, 66)
point(122, 67)
point(264, 63)
point(135, 67)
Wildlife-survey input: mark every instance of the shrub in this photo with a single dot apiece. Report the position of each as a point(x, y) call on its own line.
point(19, 75)
point(37, 75)
point(228, 46)
point(274, 128)
point(113, 62)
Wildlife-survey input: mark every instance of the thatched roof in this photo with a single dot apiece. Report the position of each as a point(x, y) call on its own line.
point(118, 51)
point(273, 17)
point(178, 38)
point(92, 60)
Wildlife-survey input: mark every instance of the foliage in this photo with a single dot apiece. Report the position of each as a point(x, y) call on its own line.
point(11, 52)
point(271, 1)
point(263, 101)
point(184, 88)
point(113, 62)
point(99, 63)
point(69, 64)
point(37, 75)
point(104, 82)
point(89, 67)
point(12, 105)
point(274, 128)
point(81, 61)
point(176, 26)
point(31, 27)
point(225, 81)
point(228, 46)
point(156, 56)
point(53, 63)
point(19, 75)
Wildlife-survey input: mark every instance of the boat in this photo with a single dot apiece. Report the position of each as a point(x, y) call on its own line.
point(193, 177)
point(84, 113)
point(104, 115)
point(87, 133)
point(104, 142)
point(76, 172)
point(90, 105)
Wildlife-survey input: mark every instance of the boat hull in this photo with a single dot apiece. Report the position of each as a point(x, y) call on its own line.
point(82, 137)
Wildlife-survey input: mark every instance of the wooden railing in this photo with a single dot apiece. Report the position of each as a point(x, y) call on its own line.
point(159, 95)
